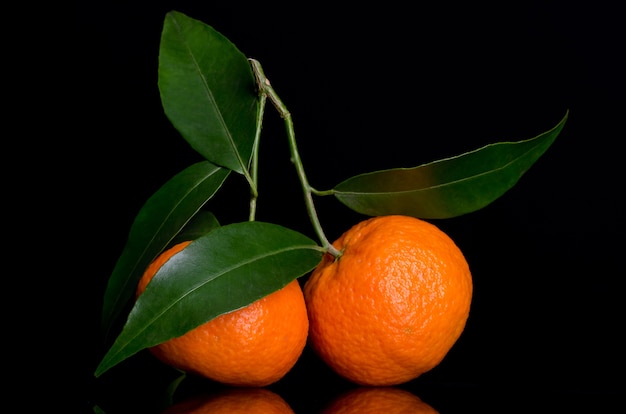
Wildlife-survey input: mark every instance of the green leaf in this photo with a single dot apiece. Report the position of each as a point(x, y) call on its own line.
point(199, 225)
point(208, 91)
point(226, 269)
point(160, 219)
point(449, 187)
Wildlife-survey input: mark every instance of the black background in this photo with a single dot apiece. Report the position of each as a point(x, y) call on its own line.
point(380, 86)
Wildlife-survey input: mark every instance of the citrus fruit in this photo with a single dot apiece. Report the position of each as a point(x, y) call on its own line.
point(233, 401)
point(392, 305)
point(377, 400)
point(252, 346)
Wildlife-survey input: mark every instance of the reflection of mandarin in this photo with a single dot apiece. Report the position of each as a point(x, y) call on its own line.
point(392, 305)
point(234, 401)
point(252, 346)
point(385, 400)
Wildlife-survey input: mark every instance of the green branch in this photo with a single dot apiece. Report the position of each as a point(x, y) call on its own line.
point(266, 90)
point(254, 167)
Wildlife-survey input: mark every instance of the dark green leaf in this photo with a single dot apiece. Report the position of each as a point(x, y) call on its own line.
point(449, 187)
point(207, 91)
point(160, 219)
point(199, 225)
point(226, 269)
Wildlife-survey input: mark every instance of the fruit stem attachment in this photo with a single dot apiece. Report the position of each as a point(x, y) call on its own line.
point(266, 90)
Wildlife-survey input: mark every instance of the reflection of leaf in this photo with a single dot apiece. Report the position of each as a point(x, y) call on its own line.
point(208, 91)
point(168, 399)
point(226, 269)
point(160, 219)
point(449, 187)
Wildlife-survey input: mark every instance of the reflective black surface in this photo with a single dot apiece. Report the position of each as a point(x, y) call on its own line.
point(383, 86)
point(453, 387)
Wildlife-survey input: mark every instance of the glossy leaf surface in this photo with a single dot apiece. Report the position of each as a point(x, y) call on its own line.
point(449, 187)
point(160, 219)
point(226, 269)
point(199, 225)
point(208, 91)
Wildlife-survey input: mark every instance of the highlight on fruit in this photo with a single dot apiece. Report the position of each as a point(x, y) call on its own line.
point(217, 98)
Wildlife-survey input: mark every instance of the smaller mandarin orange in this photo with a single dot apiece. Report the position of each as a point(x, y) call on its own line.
point(392, 305)
point(375, 400)
point(251, 347)
point(233, 401)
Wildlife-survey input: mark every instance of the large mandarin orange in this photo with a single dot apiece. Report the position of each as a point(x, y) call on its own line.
point(251, 347)
point(376, 400)
point(392, 305)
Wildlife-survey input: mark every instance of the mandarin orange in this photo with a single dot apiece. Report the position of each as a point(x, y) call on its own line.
point(252, 346)
point(392, 305)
